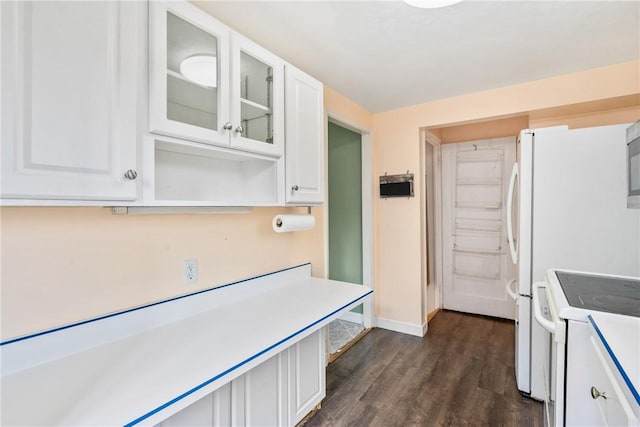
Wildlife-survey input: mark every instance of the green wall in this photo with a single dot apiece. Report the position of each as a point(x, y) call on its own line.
point(345, 206)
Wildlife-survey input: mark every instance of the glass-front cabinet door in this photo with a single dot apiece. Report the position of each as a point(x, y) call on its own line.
point(189, 74)
point(257, 98)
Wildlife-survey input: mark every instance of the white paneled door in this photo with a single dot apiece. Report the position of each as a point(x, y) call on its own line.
point(476, 261)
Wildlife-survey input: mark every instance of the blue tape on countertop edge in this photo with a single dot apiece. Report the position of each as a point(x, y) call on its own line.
point(244, 362)
point(625, 377)
point(118, 313)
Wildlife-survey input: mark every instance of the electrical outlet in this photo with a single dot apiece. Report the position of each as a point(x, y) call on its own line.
point(190, 271)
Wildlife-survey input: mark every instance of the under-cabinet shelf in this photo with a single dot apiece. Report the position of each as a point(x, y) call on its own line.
point(193, 174)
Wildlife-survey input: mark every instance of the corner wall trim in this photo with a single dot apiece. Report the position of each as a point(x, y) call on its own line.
point(432, 314)
point(398, 326)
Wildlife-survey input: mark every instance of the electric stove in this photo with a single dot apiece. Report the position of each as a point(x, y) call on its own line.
point(610, 294)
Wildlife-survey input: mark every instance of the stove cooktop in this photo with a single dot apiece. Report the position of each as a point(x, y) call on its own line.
point(601, 293)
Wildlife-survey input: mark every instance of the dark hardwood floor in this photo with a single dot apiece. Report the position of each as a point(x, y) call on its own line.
point(460, 374)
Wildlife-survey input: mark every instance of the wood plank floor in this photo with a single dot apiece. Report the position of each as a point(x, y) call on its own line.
point(460, 374)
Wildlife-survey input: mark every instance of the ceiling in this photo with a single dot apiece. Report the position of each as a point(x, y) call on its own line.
point(386, 54)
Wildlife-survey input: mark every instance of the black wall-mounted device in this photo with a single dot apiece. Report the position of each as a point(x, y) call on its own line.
point(396, 185)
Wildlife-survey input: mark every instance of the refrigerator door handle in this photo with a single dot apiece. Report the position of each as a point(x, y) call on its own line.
point(510, 290)
point(512, 187)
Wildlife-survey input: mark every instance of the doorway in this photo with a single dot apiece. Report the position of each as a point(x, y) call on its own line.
point(431, 226)
point(348, 227)
point(475, 255)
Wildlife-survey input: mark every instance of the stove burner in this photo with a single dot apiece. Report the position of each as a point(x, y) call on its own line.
point(622, 304)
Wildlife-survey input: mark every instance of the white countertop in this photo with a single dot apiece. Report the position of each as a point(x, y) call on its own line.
point(620, 335)
point(168, 367)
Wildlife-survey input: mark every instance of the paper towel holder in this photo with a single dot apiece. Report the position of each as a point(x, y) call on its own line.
point(279, 221)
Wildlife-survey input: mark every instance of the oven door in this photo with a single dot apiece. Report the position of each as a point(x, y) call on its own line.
point(553, 347)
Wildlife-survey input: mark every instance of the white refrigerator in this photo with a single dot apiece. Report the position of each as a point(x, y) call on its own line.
point(566, 209)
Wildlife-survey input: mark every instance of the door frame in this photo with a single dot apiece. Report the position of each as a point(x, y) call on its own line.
point(367, 206)
point(427, 137)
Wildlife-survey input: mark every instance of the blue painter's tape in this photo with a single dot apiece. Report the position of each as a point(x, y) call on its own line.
point(625, 377)
point(244, 362)
point(107, 316)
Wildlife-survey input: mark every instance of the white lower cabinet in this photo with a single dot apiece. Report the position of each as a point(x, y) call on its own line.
point(307, 379)
point(595, 391)
point(280, 391)
point(212, 410)
point(614, 409)
point(259, 397)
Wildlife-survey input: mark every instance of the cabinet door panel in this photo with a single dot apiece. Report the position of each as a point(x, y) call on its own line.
point(199, 413)
point(307, 375)
point(222, 406)
point(304, 138)
point(614, 409)
point(213, 410)
point(70, 79)
point(260, 396)
point(257, 98)
point(188, 73)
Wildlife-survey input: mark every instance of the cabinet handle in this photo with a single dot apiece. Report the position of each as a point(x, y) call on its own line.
point(295, 188)
point(239, 129)
point(131, 174)
point(227, 126)
point(595, 393)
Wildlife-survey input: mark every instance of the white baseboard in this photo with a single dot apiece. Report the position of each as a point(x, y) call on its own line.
point(350, 316)
point(403, 327)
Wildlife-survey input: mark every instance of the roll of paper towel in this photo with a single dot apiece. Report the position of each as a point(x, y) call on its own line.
point(284, 223)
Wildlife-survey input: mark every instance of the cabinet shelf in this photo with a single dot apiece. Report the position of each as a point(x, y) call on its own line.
point(193, 174)
point(253, 110)
point(179, 76)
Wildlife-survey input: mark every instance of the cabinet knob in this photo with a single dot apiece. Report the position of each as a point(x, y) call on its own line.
point(239, 129)
point(227, 126)
point(595, 393)
point(131, 174)
point(295, 188)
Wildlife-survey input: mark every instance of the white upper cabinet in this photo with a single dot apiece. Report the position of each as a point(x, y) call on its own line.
point(304, 136)
point(188, 73)
point(211, 86)
point(70, 85)
point(257, 98)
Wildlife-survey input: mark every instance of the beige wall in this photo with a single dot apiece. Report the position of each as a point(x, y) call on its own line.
point(484, 130)
point(397, 146)
point(342, 108)
point(61, 265)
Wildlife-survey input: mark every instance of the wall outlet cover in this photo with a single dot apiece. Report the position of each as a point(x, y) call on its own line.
point(190, 271)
